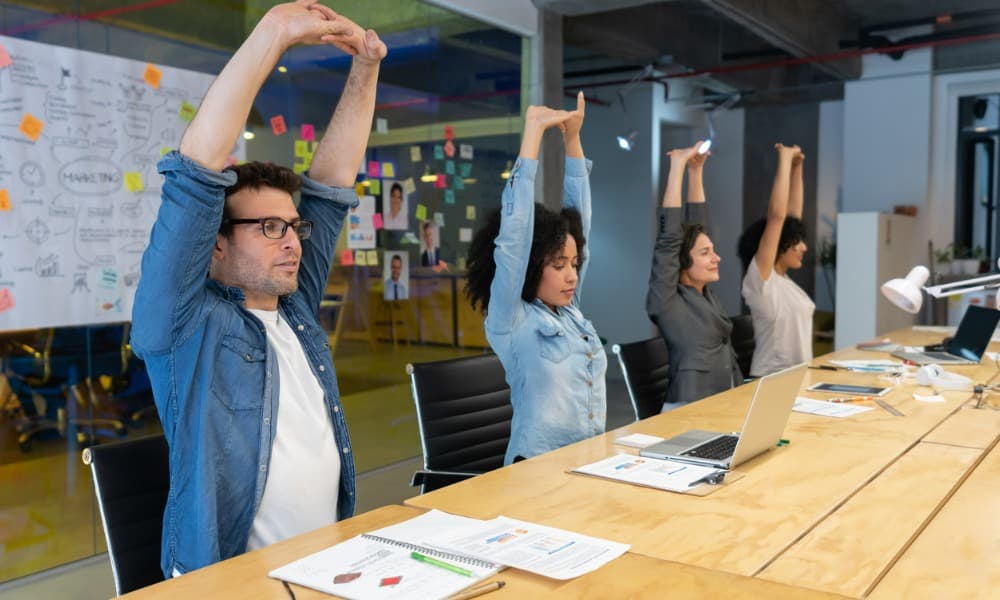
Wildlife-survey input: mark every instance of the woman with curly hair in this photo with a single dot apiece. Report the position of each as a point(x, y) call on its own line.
point(782, 312)
point(690, 318)
point(525, 268)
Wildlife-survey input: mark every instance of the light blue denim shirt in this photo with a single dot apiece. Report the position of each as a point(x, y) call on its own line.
point(214, 376)
point(555, 363)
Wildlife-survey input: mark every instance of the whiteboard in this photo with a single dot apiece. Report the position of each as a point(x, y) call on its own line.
point(72, 238)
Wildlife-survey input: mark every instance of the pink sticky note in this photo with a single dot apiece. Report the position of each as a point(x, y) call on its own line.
point(4, 57)
point(442, 181)
point(6, 300)
point(347, 257)
point(308, 132)
point(377, 220)
point(449, 132)
point(278, 125)
point(374, 168)
point(449, 149)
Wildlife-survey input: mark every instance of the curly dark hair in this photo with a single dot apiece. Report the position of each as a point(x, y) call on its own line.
point(548, 237)
point(255, 175)
point(691, 233)
point(792, 232)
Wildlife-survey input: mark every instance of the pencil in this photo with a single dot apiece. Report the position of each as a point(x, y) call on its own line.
point(851, 399)
point(478, 590)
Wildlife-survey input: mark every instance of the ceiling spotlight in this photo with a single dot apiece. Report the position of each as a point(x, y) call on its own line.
point(248, 135)
point(428, 177)
point(505, 174)
point(705, 146)
point(282, 69)
point(627, 140)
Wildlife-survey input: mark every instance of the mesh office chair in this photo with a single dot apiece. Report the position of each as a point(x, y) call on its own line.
point(131, 481)
point(743, 342)
point(464, 413)
point(646, 367)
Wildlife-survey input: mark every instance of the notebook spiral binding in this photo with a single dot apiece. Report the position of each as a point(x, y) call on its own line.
point(460, 558)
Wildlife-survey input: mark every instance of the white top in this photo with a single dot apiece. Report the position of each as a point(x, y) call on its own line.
point(303, 477)
point(782, 316)
point(400, 222)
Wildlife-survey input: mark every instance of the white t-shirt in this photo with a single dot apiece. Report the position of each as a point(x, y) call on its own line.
point(782, 316)
point(303, 477)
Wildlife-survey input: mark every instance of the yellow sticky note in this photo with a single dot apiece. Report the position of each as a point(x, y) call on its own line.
point(421, 212)
point(152, 75)
point(164, 150)
point(360, 190)
point(470, 212)
point(4, 200)
point(388, 169)
point(187, 110)
point(300, 168)
point(372, 258)
point(133, 181)
point(31, 127)
point(360, 258)
point(301, 148)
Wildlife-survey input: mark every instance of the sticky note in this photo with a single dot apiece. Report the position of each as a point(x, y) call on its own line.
point(4, 57)
point(421, 212)
point(187, 110)
point(359, 189)
point(439, 219)
point(133, 181)
point(388, 169)
point(372, 258)
point(374, 168)
point(449, 149)
point(31, 127)
point(415, 155)
point(458, 183)
point(466, 169)
point(278, 125)
point(308, 132)
point(470, 212)
point(6, 300)
point(409, 186)
point(449, 196)
point(382, 125)
point(152, 76)
point(375, 186)
point(438, 152)
point(449, 132)
point(441, 182)
point(346, 258)
point(377, 221)
point(300, 168)
point(359, 258)
point(409, 238)
point(164, 150)
point(4, 200)
point(465, 151)
point(449, 167)
point(465, 234)
point(301, 148)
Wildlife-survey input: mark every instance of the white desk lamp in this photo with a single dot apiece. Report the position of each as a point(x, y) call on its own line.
point(905, 293)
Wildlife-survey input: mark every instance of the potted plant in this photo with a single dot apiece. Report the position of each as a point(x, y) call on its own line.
point(964, 262)
point(942, 260)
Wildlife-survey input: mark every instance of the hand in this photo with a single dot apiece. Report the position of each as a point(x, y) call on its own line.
point(697, 161)
point(543, 117)
point(305, 22)
point(682, 156)
point(365, 45)
point(571, 128)
point(787, 153)
point(799, 158)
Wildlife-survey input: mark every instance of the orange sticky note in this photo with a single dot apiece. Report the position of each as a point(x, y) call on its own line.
point(4, 57)
point(31, 127)
point(6, 300)
point(152, 75)
point(346, 257)
point(449, 149)
point(278, 125)
point(449, 132)
point(4, 200)
point(133, 181)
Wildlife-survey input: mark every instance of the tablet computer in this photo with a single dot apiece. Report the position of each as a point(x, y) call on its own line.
point(850, 390)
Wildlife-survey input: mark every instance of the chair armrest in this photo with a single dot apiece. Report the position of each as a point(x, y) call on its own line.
point(443, 478)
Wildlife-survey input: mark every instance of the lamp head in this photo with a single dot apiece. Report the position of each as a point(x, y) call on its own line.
point(905, 293)
point(627, 140)
point(705, 146)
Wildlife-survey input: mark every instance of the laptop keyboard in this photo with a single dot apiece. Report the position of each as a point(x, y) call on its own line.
point(714, 449)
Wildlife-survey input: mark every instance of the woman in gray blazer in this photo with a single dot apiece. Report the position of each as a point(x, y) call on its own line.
point(680, 303)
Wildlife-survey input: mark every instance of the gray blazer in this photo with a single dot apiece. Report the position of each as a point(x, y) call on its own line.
point(695, 326)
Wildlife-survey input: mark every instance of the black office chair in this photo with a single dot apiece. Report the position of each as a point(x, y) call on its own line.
point(464, 413)
point(131, 481)
point(646, 367)
point(743, 342)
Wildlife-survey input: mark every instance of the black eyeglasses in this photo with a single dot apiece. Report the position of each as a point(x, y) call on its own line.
point(275, 227)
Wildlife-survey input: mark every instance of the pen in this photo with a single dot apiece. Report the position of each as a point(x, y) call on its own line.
point(479, 590)
point(713, 478)
point(851, 399)
point(825, 367)
point(440, 563)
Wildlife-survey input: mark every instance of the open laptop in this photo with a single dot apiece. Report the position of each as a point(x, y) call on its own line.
point(968, 345)
point(772, 403)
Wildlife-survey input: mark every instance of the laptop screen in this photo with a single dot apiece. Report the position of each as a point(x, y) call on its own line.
point(974, 332)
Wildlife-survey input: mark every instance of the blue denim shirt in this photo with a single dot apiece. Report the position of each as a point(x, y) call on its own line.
point(554, 362)
point(214, 376)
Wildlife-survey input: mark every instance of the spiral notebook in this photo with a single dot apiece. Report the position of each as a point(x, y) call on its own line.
point(380, 564)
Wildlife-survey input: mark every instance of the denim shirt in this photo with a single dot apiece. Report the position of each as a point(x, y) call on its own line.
point(554, 361)
point(214, 376)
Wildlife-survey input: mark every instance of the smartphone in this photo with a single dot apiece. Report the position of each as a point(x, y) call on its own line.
point(850, 390)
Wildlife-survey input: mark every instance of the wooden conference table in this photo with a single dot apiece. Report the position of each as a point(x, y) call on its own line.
point(874, 505)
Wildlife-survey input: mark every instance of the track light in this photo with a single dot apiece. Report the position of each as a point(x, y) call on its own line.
point(627, 140)
point(428, 177)
point(505, 174)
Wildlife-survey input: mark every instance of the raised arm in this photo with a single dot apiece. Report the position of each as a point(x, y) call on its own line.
point(795, 187)
point(576, 182)
point(224, 110)
point(665, 272)
point(777, 209)
point(513, 243)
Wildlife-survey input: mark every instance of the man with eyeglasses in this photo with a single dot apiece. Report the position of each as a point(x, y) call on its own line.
point(225, 311)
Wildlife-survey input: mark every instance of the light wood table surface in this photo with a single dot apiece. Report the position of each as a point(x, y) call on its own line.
point(833, 510)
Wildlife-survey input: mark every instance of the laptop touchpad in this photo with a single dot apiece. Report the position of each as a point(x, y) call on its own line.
point(689, 439)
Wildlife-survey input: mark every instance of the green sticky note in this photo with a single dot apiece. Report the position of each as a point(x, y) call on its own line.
point(449, 196)
point(164, 150)
point(466, 169)
point(449, 167)
point(421, 212)
point(438, 152)
point(459, 183)
point(187, 110)
point(375, 186)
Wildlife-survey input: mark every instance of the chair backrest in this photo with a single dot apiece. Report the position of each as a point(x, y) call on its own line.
point(646, 367)
point(131, 480)
point(463, 412)
point(743, 342)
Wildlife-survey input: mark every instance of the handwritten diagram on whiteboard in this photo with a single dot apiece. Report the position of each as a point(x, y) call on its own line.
point(80, 136)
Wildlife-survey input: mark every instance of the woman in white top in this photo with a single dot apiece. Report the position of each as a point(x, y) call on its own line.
point(782, 312)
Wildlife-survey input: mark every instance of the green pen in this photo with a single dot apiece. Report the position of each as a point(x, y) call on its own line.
point(440, 563)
